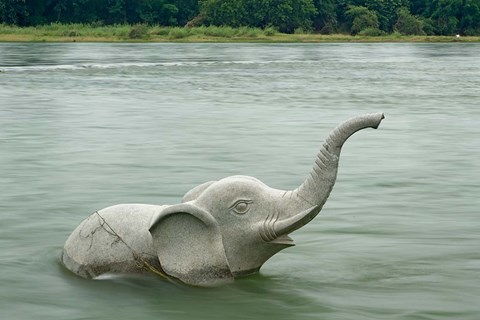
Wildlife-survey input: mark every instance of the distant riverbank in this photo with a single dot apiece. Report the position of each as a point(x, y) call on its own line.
point(143, 33)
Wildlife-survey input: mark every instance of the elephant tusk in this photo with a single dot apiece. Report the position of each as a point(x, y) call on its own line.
point(288, 225)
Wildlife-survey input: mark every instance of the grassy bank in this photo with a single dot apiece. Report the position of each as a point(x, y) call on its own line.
point(143, 33)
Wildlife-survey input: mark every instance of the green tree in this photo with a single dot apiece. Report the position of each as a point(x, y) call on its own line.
point(444, 16)
point(13, 12)
point(361, 18)
point(187, 10)
point(286, 15)
point(469, 17)
point(325, 20)
point(454, 16)
point(157, 12)
point(115, 12)
point(36, 12)
point(408, 24)
point(419, 7)
point(386, 11)
point(224, 12)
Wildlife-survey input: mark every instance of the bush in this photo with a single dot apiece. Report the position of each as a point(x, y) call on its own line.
point(161, 31)
point(270, 31)
point(408, 24)
point(371, 32)
point(71, 33)
point(301, 30)
point(138, 31)
point(97, 24)
point(225, 32)
point(178, 33)
point(396, 35)
point(248, 32)
point(329, 28)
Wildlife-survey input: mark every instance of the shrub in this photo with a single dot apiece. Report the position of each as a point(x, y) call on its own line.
point(248, 32)
point(396, 35)
point(178, 33)
point(225, 32)
point(270, 31)
point(120, 30)
point(329, 28)
point(301, 30)
point(161, 31)
point(70, 33)
point(138, 31)
point(97, 24)
point(371, 32)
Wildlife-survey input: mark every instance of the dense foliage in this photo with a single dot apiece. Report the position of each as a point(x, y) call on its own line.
point(440, 17)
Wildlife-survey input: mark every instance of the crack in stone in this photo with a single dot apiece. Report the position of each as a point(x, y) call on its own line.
point(140, 259)
point(91, 234)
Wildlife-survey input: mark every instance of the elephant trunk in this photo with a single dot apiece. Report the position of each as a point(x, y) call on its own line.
point(315, 190)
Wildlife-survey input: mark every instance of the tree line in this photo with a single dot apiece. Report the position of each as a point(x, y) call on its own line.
point(366, 17)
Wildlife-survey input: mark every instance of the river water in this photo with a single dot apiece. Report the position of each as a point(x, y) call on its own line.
point(86, 126)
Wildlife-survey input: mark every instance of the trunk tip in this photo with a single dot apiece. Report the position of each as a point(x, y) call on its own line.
point(379, 117)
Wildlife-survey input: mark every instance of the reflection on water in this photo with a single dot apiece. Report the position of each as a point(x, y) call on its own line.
point(85, 126)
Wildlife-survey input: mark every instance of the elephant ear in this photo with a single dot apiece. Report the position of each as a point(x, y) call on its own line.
point(195, 192)
point(189, 246)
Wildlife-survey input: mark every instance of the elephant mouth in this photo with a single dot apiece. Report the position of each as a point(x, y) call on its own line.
point(274, 230)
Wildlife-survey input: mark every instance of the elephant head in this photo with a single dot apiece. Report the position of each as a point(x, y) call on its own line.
point(231, 227)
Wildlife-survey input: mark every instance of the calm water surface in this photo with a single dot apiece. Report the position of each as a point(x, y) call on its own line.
point(85, 126)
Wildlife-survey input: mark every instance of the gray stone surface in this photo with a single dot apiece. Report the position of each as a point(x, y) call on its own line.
point(106, 240)
point(221, 229)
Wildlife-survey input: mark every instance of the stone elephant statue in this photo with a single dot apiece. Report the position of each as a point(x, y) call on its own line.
point(221, 230)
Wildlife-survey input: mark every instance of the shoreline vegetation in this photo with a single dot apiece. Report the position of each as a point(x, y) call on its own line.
point(57, 32)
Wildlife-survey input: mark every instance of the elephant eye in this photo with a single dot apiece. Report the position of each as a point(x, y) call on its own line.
point(241, 206)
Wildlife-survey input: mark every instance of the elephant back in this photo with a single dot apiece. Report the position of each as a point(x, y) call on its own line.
point(112, 240)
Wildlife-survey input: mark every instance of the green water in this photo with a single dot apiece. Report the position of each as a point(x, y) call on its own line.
point(85, 126)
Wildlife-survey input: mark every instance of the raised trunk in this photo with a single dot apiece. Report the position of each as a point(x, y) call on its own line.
point(315, 190)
